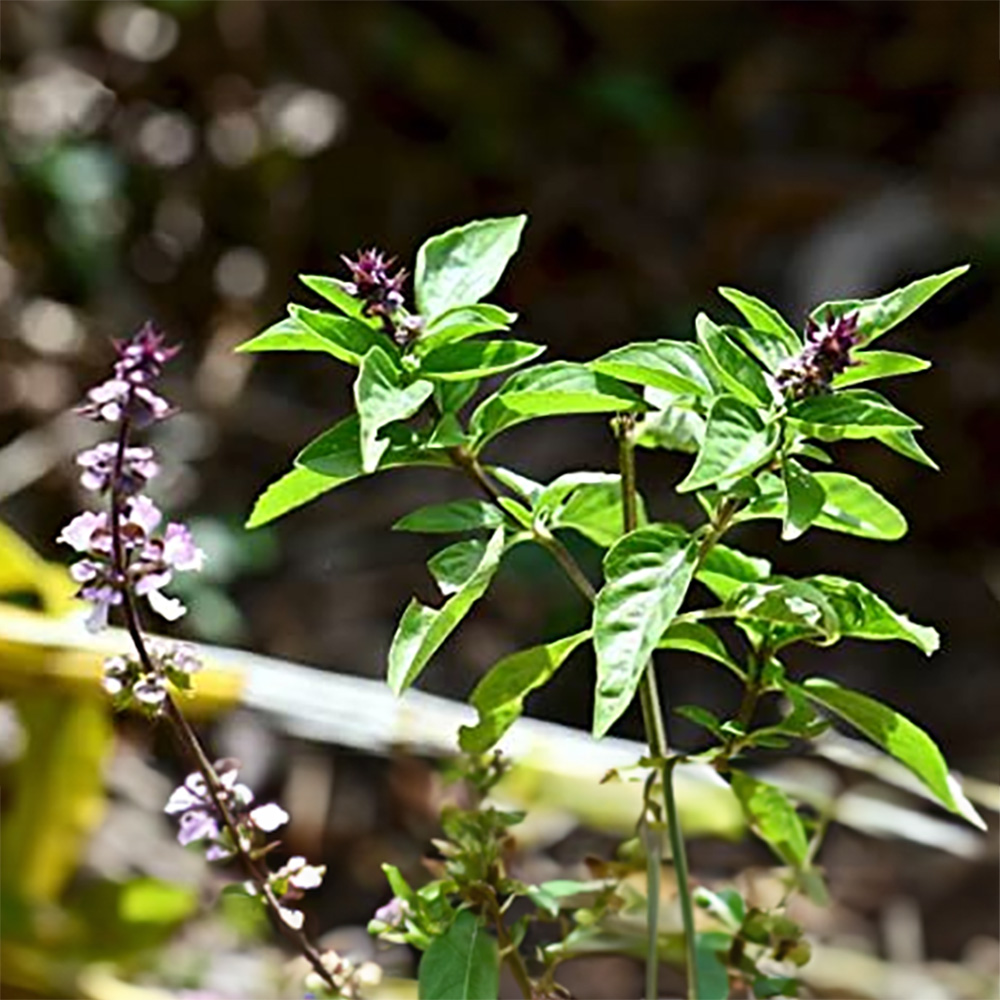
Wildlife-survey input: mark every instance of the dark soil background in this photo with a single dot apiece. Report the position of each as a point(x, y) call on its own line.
point(183, 161)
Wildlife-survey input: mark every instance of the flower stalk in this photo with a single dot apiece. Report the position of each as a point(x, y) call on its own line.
point(124, 558)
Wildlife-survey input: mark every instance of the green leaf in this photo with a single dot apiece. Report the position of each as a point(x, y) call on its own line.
point(555, 389)
point(462, 322)
point(448, 432)
point(382, 398)
point(595, 511)
point(725, 569)
point(662, 364)
point(458, 515)
point(346, 338)
point(422, 630)
point(857, 508)
point(693, 637)
point(798, 607)
point(555, 494)
point(473, 359)
point(461, 964)
point(772, 817)
point(879, 315)
point(898, 736)
point(671, 426)
point(563, 387)
point(852, 506)
point(450, 397)
point(701, 717)
point(527, 489)
point(647, 574)
point(864, 615)
point(292, 490)
point(852, 413)
point(736, 441)
point(870, 365)
point(713, 977)
point(768, 348)
point(804, 498)
point(761, 316)
point(740, 373)
point(906, 444)
point(499, 696)
point(462, 265)
point(335, 292)
point(456, 564)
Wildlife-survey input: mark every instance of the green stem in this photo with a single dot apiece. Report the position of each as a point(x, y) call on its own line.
point(511, 955)
point(679, 852)
point(656, 736)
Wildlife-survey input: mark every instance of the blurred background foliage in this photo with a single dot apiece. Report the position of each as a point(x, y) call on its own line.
point(183, 160)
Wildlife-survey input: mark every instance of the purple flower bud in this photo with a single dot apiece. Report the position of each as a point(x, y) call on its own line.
point(127, 392)
point(826, 354)
point(392, 913)
point(381, 291)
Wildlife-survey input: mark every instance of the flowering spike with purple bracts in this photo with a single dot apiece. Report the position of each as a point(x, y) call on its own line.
point(826, 354)
point(381, 292)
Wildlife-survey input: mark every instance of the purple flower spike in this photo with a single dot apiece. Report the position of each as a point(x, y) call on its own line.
point(381, 292)
point(827, 353)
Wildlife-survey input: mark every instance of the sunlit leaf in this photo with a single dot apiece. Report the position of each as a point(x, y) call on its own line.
point(475, 359)
point(458, 515)
point(898, 736)
point(663, 364)
point(741, 374)
point(761, 316)
point(870, 365)
point(647, 574)
point(877, 316)
point(381, 398)
point(736, 441)
point(460, 266)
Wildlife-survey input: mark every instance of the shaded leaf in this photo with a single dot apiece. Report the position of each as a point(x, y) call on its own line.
point(772, 817)
point(499, 696)
point(458, 515)
point(595, 511)
point(804, 498)
point(456, 564)
point(461, 322)
point(422, 630)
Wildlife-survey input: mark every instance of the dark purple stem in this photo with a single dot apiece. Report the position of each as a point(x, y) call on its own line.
point(179, 725)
